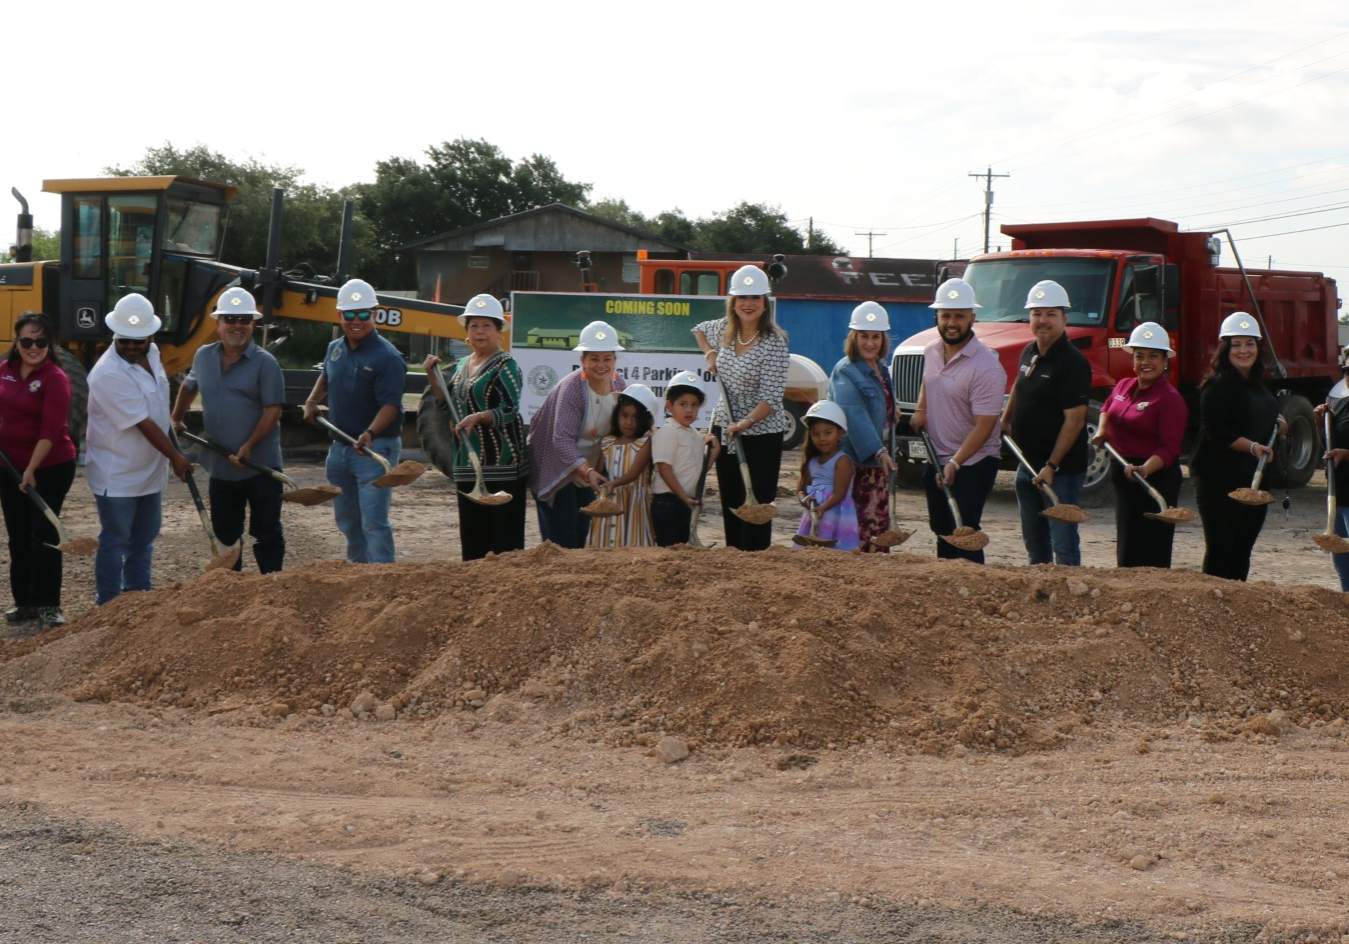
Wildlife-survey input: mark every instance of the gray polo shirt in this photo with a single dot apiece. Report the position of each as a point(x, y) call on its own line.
point(232, 401)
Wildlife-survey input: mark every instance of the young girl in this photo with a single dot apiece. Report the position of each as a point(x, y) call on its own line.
point(626, 461)
point(826, 477)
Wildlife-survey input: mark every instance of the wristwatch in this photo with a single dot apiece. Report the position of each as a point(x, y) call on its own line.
point(1053, 466)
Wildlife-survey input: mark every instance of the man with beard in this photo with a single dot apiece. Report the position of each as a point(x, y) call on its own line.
point(242, 392)
point(128, 443)
point(960, 405)
point(1046, 416)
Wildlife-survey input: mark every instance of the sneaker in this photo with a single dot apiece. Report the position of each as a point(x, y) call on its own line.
point(20, 614)
point(51, 616)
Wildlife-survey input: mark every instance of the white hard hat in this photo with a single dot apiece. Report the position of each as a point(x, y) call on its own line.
point(955, 293)
point(236, 301)
point(1150, 336)
point(827, 410)
point(1239, 325)
point(685, 379)
point(1047, 294)
point(643, 395)
point(869, 316)
point(356, 295)
point(748, 280)
point(483, 306)
point(133, 317)
point(598, 336)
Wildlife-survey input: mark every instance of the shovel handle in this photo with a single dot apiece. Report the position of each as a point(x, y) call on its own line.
point(247, 463)
point(30, 492)
point(1260, 466)
point(1147, 486)
point(350, 441)
point(1021, 457)
point(941, 479)
point(750, 497)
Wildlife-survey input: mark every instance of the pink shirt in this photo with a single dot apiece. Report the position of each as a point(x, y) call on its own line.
point(1143, 423)
point(972, 383)
point(33, 409)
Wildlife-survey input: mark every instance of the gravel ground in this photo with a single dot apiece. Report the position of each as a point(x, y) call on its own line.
point(67, 882)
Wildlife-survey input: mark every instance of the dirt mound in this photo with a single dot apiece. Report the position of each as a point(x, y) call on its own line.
point(803, 648)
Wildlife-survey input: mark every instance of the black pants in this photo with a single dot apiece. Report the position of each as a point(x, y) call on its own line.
point(1140, 541)
point(764, 456)
point(258, 497)
point(35, 571)
point(670, 520)
point(970, 490)
point(1230, 528)
point(493, 529)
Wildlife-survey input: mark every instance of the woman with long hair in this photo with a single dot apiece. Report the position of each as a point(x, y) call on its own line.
point(35, 436)
point(860, 386)
point(1238, 415)
point(748, 352)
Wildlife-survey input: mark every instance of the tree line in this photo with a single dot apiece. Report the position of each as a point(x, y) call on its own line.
point(459, 183)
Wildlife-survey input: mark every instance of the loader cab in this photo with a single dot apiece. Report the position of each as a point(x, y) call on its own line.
point(121, 235)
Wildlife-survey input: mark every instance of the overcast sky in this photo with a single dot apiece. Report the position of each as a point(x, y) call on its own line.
point(863, 116)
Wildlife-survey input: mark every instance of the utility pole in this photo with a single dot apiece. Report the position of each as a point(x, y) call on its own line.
point(869, 234)
point(988, 176)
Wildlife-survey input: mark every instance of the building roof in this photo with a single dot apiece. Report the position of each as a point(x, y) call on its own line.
point(552, 228)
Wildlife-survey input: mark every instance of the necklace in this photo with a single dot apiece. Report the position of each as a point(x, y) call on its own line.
point(752, 339)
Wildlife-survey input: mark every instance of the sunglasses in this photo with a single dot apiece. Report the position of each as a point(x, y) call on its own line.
point(236, 319)
point(40, 343)
point(136, 341)
point(354, 315)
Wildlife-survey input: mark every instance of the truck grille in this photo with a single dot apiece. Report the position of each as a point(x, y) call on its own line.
point(906, 376)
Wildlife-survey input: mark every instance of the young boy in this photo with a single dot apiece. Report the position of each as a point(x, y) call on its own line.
point(677, 451)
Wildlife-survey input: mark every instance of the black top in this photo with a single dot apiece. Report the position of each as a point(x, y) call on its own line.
point(1339, 439)
point(1046, 385)
point(1229, 408)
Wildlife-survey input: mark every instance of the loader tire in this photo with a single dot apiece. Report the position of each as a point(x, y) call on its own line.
point(79, 394)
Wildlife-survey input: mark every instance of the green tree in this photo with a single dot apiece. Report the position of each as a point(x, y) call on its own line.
point(46, 244)
point(755, 227)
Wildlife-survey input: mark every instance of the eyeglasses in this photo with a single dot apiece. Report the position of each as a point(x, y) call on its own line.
point(354, 315)
point(236, 319)
point(40, 343)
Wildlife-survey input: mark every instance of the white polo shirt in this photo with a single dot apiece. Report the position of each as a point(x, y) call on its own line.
point(119, 460)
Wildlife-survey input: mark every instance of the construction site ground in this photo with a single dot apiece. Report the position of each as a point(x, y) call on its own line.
point(681, 745)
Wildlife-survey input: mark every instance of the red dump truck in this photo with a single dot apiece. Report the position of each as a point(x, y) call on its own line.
point(1119, 273)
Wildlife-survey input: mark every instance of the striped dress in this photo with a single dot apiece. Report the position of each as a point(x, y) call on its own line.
point(633, 527)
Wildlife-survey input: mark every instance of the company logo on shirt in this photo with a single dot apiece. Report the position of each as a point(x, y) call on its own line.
point(35, 386)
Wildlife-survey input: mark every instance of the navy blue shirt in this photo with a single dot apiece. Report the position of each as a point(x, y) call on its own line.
point(232, 402)
point(361, 381)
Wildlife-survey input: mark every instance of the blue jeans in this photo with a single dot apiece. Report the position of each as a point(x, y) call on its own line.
point(126, 542)
point(1049, 541)
point(1341, 561)
point(362, 510)
point(562, 521)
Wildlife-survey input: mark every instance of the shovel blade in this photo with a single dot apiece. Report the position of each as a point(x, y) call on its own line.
point(1070, 514)
point(755, 514)
point(891, 538)
point(405, 473)
point(1331, 543)
point(966, 538)
point(1251, 496)
point(316, 495)
point(225, 557)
